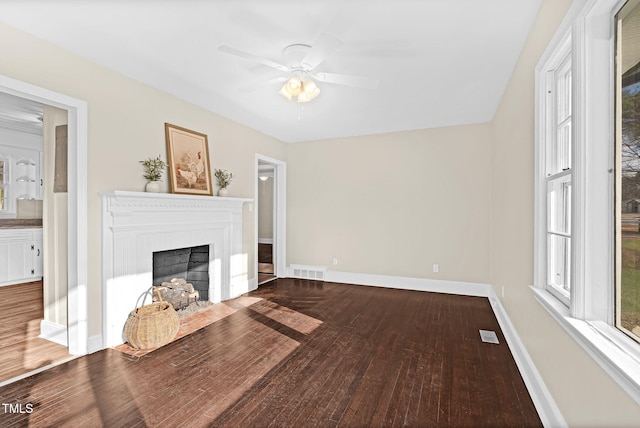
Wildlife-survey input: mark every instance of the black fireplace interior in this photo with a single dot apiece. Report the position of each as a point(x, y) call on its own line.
point(189, 263)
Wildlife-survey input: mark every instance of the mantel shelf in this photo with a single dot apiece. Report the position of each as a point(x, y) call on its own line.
point(127, 202)
point(125, 194)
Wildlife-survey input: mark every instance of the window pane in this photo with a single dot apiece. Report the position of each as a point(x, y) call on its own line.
point(2, 199)
point(628, 92)
point(559, 206)
point(563, 91)
point(558, 266)
point(563, 140)
point(559, 145)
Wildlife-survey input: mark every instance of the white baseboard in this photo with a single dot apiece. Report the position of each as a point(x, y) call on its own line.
point(94, 343)
point(53, 332)
point(253, 284)
point(405, 283)
point(242, 286)
point(265, 240)
point(57, 333)
point(545, 405)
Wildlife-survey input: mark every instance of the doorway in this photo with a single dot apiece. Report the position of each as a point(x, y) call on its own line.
point(76, 204)
point(270, 218)
point(33, 293)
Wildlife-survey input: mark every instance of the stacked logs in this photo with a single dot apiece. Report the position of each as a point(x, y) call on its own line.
point(178, 292)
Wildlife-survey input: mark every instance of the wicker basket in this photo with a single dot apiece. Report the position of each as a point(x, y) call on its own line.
point(151, 326)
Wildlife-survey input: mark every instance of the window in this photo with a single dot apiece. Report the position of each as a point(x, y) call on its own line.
point(628, 171)
point(558, 175)
point(587, 186)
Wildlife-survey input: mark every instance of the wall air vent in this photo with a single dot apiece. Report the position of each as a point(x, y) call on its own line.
point(317, 273)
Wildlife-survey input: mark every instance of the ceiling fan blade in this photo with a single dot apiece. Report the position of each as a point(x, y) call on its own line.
point(321, 50)
point(348, 80)
point(263, 61)
point(261, 84)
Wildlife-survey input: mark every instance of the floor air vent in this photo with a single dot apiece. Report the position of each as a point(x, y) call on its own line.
point(488, 336)
point(317, 273)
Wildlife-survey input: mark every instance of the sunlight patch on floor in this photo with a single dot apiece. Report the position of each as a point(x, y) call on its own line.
point(292, 319)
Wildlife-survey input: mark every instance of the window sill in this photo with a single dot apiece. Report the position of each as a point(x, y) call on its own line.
point(617, 354)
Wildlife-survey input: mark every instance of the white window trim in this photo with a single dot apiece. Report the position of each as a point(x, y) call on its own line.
point(590, 317)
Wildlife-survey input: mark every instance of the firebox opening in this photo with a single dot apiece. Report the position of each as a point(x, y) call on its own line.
point(192, 264)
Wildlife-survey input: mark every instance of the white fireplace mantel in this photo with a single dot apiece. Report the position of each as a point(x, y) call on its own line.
point(137, 224)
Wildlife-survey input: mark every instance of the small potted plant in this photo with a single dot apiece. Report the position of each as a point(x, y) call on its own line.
point(223, 179)
point(153, 170)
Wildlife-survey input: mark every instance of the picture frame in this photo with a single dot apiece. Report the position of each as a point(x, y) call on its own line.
point(189, 162)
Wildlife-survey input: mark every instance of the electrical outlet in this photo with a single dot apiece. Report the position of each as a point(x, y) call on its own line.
point(334, 260)
point(436, 268)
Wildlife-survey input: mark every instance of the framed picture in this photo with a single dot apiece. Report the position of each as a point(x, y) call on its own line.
point(189, 166)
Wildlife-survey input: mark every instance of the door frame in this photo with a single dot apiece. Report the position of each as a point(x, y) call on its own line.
point(77, 304)
point(279, 214)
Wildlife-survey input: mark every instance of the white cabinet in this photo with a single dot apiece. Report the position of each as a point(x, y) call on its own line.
point(37, 268)
point(20, 255)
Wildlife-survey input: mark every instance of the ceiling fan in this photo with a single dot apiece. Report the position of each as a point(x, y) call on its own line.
point(300, 64)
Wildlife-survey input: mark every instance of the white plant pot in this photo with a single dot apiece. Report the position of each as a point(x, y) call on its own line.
point(153, 187)
point(223, 192)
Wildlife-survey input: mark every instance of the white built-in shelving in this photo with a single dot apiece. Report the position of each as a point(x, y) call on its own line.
point(27, 178)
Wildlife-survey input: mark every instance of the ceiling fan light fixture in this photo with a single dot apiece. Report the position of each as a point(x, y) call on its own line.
point(302, 91)
point(295, 85)
point(309, 91)
point(309, 87)
point(291, 88)
point(285, 92)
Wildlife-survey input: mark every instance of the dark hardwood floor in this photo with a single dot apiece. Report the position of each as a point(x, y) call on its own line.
point(21, 350)
point(300, 353)
point(265, 277)
point(265, 263)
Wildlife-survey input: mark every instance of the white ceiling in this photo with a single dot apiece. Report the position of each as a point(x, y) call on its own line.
point(20, 115)
point(440, 62)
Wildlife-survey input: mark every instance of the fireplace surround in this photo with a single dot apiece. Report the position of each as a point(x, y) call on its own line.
point(137, 224)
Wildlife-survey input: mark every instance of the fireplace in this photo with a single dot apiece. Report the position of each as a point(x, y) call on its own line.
point(190, 263)
point(136, 225)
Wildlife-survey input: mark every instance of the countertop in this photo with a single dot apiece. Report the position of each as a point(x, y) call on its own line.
point(12, 223)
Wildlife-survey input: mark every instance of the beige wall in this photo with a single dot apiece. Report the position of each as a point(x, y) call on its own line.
point(126, 124)
point(393, 204)
point(55, 225)
point(585, 394)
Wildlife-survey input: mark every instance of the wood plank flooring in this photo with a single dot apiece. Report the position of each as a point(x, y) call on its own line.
point(306, 354)
point(21, 350)
point(265, 277)
point(265, 259)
